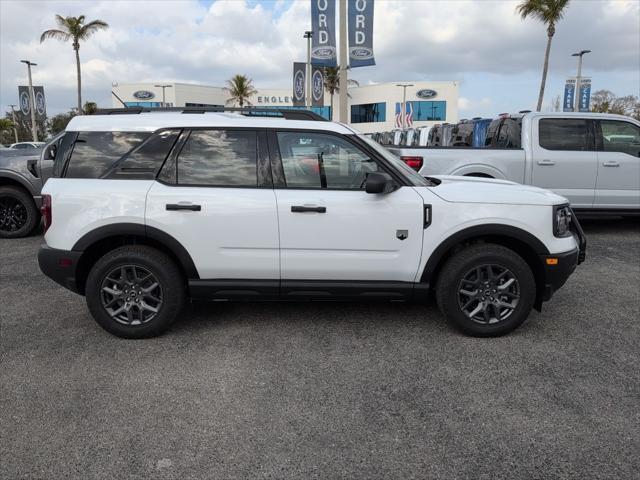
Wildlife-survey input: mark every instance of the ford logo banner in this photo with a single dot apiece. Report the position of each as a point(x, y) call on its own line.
point(426, 93)
point(144, 95)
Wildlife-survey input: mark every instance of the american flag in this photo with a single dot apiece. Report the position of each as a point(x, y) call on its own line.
point(408, 114)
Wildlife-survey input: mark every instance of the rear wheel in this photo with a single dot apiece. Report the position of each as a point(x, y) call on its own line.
point(486, 290)
point(18, 213)
point(135, 292)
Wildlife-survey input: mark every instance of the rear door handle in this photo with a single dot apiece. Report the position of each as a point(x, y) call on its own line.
point(611, 163)
point(546, 162)
point(183, 206)
point(308, 208)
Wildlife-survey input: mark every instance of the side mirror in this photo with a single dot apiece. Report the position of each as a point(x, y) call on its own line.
point(50, 154)
point(379, 182)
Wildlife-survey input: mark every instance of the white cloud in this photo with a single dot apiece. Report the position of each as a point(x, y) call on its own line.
point(482, 43)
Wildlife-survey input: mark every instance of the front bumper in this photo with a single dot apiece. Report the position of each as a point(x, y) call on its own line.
point(60, 266)
point(558, 267)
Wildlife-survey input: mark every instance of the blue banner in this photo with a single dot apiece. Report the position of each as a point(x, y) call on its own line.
point(585, 95)
point(299, 84)
point(360, 25)
point(569, 95)
point(323, 40)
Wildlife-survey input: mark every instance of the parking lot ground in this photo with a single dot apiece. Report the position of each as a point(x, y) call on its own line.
point(325, 390)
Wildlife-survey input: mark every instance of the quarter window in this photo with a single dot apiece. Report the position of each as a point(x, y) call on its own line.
point(564, 134)
point(315, 160)
point(94, 153)
point(224, 158)
point(620, 137)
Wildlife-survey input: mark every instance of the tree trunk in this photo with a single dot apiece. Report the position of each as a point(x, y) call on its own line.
point(77, 49)
point(544, 73)
point(331, 108)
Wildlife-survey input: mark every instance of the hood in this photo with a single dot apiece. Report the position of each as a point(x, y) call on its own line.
point(490, 190)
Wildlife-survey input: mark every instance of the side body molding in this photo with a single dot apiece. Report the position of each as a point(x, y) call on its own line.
point(140, 230)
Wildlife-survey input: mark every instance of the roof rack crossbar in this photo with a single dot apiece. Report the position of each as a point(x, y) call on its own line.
point(289, 114)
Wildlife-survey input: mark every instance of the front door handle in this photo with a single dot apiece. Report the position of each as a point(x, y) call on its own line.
point(546, 162)
point(610, 163)
point(183, 206)
point(308, 208)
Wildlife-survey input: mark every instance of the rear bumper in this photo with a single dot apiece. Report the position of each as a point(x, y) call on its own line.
point(60, 266)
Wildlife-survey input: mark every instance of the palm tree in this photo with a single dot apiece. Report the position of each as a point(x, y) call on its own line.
point(74, 29)
point(240, 87)
point(89, 108)
point(549, 12)
point(332, 83)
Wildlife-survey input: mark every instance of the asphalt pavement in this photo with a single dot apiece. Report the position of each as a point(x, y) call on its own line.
point(327, 391)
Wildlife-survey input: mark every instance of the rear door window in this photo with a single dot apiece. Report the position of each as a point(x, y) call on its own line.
point(219, 158)
point(565, 134)
point(94, 153)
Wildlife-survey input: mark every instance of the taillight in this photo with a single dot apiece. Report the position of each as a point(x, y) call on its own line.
point(45, 210)
point(413, 162)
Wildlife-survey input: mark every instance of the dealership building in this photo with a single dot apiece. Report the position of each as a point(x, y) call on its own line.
point(372, 108)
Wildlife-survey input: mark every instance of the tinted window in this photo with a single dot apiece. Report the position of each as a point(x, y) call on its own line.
point(369, 112)
point(620, 137)
point(315, 160)
point(429, 110)
point(94, 153)
point(219, 158)
point(144, 162)
point(564, 134)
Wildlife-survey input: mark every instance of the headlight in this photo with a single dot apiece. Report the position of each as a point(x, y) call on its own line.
point(562, 221)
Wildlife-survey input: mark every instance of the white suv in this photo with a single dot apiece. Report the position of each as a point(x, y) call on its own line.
point(148, 208)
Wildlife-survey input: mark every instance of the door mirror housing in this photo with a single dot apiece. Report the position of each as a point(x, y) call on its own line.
point(379, 182)
point(50, 153)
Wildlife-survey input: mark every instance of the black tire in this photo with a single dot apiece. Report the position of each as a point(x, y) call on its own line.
point(136, 260)
point(18, 213)
point(468, 270)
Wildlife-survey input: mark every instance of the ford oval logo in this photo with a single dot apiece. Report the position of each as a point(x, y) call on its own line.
point(298, 86)
point(324, 53)
point(361, 53)
point(318, 85)
point(426, 93)
point(144, 95)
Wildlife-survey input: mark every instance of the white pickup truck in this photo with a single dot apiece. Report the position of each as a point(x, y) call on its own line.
point(590, 158)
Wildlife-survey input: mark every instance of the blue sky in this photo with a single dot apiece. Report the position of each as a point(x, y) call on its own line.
point(496, 56)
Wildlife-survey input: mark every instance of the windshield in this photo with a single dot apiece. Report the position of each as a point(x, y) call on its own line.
point(415, 178)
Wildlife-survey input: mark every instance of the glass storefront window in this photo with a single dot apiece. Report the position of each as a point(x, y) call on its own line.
point(429, 110)
point(369, 112)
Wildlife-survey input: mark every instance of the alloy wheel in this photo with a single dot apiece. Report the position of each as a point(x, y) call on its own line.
point(488, 294)
point(131, 295)
point(13, 214)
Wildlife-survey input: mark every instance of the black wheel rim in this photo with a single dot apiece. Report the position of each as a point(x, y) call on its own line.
point(131, 295)
point(13, 214)
point(488, 294)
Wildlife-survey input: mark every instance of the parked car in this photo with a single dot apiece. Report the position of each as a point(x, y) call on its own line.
point(576, 155)
point(26, 145)
point(145, 210)
point(20, 183)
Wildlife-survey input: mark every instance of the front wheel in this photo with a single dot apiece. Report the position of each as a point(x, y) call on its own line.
point(486, 290)
point(135, 291)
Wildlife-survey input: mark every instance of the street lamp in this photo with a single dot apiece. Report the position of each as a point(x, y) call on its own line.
point(404, 101)
point(309, 99)
point(163, 87)
point(578, 78)
point(15, 125)
point(32, 101)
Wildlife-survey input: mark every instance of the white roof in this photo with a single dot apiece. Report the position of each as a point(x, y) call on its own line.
point(152, 121)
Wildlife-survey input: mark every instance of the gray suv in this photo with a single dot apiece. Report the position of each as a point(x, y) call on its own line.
point(22, 174)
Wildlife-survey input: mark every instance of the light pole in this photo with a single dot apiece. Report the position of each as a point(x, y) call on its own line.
point(32, 101)
point(404, 101)
point(163, 87)
point(13, 116)
point(343, 82)
point(579, 54)
point(308, 97)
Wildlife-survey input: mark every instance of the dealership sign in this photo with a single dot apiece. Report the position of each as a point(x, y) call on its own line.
point(426, 93)
point(360, 24)
point(585, 95)
point(323, 26)
point(144, 95)
point(569, 95)
point(299, 82)
point(25, 101)
point(317, 86)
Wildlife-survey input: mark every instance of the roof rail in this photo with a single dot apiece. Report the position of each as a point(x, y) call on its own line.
point(289, 114)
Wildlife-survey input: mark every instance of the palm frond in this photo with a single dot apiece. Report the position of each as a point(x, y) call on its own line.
point(55, 34)
point(92, 27)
